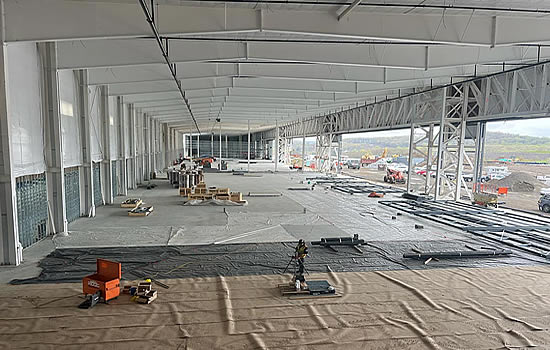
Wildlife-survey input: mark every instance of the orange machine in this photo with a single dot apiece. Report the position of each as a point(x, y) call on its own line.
point(106, 280)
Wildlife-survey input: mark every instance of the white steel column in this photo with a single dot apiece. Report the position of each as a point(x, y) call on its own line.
point(11, 251)
point(220, 146)
point(480, 151)
point(429, 158)
point(106, 165)
point(171, 144)
point(339, 154)
point(410, 160)
point(53, 144)
point(198, 145)
point(184, 136)
point(123, 188)
point(132, 144)
point(330, 153)
point(166, 133)
point(277, 137)
point(154, 149)
point(147, 150)
point(87, 205)
point(212, 144)
point(440, 155)
point(226, 148)
point(303, 146)
point(249, 145)
point(461, 140)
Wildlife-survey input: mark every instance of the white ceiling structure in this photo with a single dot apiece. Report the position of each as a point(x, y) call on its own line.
point(274, 61)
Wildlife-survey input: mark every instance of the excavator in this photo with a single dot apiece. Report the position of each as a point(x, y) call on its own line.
point(368, 158)
point(394, 177)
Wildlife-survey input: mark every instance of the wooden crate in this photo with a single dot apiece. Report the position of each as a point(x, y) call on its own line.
point(223, 191)
point(223, 196)
point(236, 197)
point(199, 190)
point(147, 298)
point(200, 196)
point(184, 191)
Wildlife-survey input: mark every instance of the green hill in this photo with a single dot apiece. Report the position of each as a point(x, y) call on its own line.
point(498, 145)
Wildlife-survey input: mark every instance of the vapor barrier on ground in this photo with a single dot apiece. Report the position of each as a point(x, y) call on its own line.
point(72, 264)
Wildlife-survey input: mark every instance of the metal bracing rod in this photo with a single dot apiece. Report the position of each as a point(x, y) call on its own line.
point(349, 9)
point(394, 5)
point(459, 254)
point(171, 66)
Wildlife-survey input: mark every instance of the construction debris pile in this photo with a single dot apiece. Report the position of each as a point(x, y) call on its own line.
point(518, 182)
point(137, 207)
point(143, 293)
point(192, 186)
point(202, 192)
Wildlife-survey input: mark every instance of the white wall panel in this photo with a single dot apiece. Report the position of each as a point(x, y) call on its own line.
point(96, 134)
point(68, 107)
point(25, 109)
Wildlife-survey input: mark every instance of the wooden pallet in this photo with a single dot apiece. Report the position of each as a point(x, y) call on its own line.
point(140, 211)
point(200, 196)
point(128, 204)
point(291, 292)
point(222, 197)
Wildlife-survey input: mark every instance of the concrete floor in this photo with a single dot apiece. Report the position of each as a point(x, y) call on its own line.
point(310, 215)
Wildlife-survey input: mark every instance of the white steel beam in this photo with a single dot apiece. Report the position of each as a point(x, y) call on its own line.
point(31, 20)
point(323, 72)
point(272, 84)
point(131, 52)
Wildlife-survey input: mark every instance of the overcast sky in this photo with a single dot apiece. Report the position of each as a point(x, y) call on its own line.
point(532, 127)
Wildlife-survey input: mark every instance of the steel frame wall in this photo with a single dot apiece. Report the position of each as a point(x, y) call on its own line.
point(459, 111)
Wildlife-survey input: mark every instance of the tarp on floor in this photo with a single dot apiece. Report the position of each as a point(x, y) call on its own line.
point(72, 264)
point(495, 308)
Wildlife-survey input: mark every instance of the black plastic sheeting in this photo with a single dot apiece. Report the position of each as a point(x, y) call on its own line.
point(72, 264)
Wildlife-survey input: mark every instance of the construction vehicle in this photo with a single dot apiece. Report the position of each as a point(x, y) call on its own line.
point(394, 177)
point(544, 203)
point(368, 158)
point(204, 161)
point(296, 163)
point(485, 199)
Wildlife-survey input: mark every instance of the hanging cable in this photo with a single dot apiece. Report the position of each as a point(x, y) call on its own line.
point(171, 66)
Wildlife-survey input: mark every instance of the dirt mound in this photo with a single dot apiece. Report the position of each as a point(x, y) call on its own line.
point(518, 182)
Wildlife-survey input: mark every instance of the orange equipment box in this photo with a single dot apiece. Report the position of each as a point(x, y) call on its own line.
point(106, 279)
